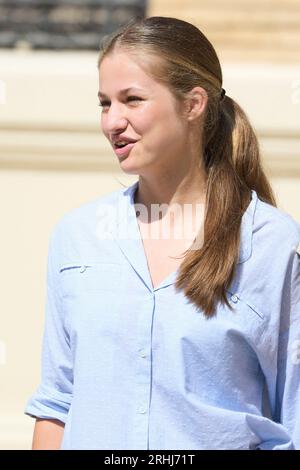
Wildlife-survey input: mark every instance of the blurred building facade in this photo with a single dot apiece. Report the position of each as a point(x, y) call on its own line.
point(63, 24)
point(53, 156)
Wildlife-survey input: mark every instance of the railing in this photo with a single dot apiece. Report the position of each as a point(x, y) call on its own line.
point(63, 24)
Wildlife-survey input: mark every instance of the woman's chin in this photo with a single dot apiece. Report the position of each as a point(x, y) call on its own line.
point(128, 166)
point(133, 164)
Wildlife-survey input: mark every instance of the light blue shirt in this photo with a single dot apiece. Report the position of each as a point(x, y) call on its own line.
point(126, 366)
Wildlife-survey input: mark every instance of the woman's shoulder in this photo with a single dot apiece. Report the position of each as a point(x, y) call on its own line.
point(276, 224)
point(82, 219)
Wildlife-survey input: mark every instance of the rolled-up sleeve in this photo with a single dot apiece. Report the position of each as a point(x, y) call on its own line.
point(52, 398)
point(288, 366)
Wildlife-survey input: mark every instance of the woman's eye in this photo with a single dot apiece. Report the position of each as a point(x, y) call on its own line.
point(130, 98)
point(133, 98)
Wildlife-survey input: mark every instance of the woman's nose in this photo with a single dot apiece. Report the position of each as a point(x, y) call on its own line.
point(115, 120)
point(117, 126)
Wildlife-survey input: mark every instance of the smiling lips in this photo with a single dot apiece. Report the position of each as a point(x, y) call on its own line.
point(121, 141)
point(122, 145)
point(124, 151)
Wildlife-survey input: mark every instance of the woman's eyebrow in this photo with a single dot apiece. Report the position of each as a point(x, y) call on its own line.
point(122, 92)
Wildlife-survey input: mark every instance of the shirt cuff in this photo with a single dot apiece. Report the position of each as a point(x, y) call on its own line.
point(49, 404)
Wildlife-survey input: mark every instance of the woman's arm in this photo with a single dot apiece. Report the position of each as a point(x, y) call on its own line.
point(47, 434)
point(51, 401)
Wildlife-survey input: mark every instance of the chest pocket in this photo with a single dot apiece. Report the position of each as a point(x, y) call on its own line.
point(89, 278)
point(247, 317)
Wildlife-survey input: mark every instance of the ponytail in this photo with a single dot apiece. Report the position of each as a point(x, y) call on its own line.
point(232, 162)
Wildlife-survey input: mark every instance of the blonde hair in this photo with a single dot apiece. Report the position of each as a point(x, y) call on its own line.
point(182, 58)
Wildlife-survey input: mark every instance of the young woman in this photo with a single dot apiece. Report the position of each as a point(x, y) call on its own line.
point(157, 337)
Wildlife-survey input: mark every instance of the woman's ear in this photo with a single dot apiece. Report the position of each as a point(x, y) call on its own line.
point(195, 104)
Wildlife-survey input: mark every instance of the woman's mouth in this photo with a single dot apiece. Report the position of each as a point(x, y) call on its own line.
point(124, 151)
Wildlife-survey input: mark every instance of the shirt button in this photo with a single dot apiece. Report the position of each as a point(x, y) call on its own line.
point(82, 269)
point(142, 410)
point(234, 298)
point(142, 353)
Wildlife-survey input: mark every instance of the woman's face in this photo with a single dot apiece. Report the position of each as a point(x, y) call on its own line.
point(146, 113)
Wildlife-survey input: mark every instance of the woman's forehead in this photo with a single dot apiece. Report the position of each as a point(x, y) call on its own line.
point(124, 73)
point(136, 62)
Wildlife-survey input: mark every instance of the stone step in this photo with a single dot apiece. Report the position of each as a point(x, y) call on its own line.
point(224, 4)
point(267, 39)
point(280, 19)
point(266, 29)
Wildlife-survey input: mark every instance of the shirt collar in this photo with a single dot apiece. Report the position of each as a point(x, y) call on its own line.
point(247, 229)
point(246, 226)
